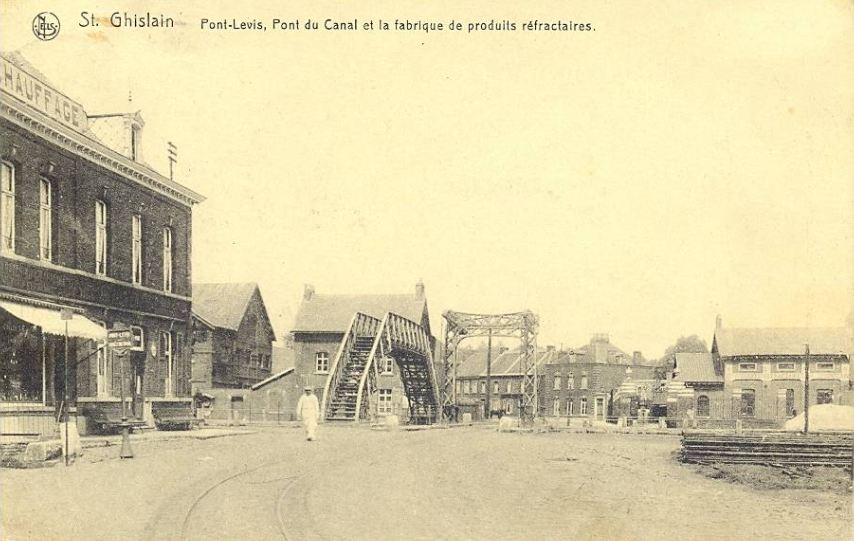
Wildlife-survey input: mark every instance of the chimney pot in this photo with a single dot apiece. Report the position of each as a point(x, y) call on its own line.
point(308, 292)
point(419, 289)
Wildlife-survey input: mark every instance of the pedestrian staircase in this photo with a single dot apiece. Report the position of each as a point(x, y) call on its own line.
point(342, 406)
point(352, 383)
point(342, 385)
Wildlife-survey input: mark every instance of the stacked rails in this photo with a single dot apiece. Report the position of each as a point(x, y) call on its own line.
point(770, 448)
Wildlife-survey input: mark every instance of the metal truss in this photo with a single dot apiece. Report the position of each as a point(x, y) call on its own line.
point(351, 392)
point(521, 325)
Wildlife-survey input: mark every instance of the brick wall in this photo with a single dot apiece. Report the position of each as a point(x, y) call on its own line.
point(69, 277)
point(76, 185)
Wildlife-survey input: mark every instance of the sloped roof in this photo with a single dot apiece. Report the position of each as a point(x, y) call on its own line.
point(781, 341)
point(332, 313)
point(696, 368)
point(272, 378)
point(587, 353)
point(507, 363)
point(223, 305)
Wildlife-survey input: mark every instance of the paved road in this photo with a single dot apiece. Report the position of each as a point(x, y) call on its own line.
point(353, 483)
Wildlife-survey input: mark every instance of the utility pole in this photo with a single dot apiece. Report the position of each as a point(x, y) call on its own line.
point(489, 374)
point(65, 393)
point(807, 389)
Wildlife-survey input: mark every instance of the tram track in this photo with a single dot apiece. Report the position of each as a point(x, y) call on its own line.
point(185, 524)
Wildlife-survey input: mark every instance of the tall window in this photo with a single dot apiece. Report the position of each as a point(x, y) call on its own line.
point(556, 384)
point(584, 381)
point(100, 238)
point(748, 402)
point(569, 407)
point(166, 355)
point(583, 405)
point(167, 259)
point(702, 406)
point(388, 365)
point(384, 405)
point(790, 402)
point(136, 248)
point(570, 381)
point(482, 387)
point(7, 207)
point(556, 407)
point(321, 362)
point(509, 386)
point(495, 388)
point(45, 220)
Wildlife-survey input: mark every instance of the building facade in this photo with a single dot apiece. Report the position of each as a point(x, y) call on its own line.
point(503, 382)
point(758, 376)
point(582, 382)
point(765, 370)
point(232, 337)
point(92, 238)
point(320, 325)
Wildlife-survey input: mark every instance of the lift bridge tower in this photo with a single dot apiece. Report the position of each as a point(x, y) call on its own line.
point(520, 325)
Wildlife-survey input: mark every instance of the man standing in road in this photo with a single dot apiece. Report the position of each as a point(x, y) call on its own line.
point(308, 411)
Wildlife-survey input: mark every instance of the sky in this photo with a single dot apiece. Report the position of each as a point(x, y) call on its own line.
point(683, 160)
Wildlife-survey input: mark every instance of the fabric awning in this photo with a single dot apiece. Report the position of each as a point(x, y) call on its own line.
point(51, 321)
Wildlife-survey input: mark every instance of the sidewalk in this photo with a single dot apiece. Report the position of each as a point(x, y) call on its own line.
point(37, 454)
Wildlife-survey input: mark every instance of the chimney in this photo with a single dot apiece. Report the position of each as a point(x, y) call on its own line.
point(637, 358)
point(719, 322)
point(308, 292)
point(601, 337)
point(419, 289)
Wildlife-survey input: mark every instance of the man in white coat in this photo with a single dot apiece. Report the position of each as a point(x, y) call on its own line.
point(308, 411)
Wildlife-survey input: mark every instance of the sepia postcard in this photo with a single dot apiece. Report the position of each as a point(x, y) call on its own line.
point(397, 271)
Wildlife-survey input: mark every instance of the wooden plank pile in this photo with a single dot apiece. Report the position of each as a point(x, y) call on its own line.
point(769, 449)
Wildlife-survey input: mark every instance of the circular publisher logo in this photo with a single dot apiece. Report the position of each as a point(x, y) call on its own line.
point(46, 26)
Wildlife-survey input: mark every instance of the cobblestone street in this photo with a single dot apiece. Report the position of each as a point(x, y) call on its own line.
point(354, 483)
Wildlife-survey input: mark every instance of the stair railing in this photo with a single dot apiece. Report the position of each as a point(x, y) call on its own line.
point(360, 325)
point(397, 333)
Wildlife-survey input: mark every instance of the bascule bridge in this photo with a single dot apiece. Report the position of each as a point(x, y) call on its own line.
point(460, 326)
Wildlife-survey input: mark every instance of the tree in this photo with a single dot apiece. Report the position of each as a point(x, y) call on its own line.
point(684, 344)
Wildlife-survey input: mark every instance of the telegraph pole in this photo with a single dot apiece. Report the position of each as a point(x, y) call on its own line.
point(489, 374)
point(172, 152)
point(807, 389)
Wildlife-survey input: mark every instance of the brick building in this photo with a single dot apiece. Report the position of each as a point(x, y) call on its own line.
point(91, 232)
point(764, 370)
point(232, 336)
point(696, 390)
point(320, 325)
point(582, 382)
point(505, 378)
point(757, 375)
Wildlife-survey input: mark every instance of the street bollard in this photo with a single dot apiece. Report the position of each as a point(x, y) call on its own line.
point(126, 451)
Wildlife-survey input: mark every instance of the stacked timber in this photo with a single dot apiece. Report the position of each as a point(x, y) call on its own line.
point(769, 449)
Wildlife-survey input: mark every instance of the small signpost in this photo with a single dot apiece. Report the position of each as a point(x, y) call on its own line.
point(120, 342)
point(65, 315)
